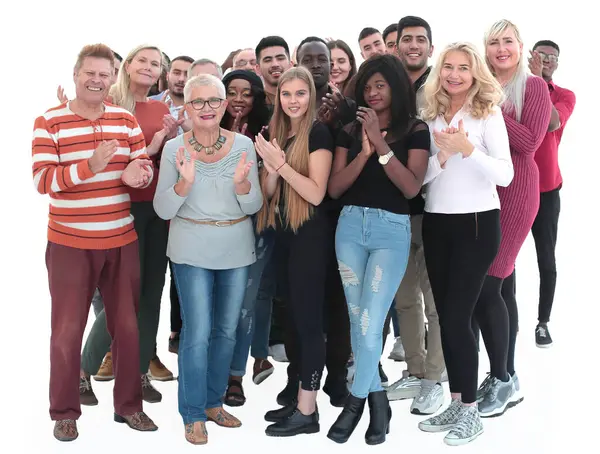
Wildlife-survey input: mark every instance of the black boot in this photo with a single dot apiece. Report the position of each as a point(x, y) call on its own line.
point(281, 413)
point(381, 414)
point(343, 427)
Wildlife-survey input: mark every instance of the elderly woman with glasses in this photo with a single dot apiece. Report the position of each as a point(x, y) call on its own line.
point(208, 188)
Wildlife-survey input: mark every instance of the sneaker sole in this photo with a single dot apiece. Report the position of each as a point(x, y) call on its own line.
point(427, 411)
point(436, 429)
point(397, 358)
point(543, 345)
point(262, 376)
point(311, 429)
point(155, 378)
point(461, 441)
point(396, 395)
point(496, 412)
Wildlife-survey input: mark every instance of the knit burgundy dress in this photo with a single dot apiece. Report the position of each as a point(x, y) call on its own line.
point(519, 202)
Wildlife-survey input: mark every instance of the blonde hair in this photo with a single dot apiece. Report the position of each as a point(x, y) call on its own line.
point(297, 209)
point(514, 89)
point(485, 93)
point(120, 92)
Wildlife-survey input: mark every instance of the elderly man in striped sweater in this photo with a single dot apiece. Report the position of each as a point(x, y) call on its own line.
point(85, 152)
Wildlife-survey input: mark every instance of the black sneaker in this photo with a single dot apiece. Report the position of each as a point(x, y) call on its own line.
point(295, 424)
point(384, 378)
point(149, 392)
point(542, 336)
point(86, 393)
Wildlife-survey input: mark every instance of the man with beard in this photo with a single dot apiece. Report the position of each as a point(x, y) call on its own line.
point(273, 59)
point(176, 79)
point(422, 380)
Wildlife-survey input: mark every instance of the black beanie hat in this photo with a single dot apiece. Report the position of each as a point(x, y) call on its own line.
point(250, 76)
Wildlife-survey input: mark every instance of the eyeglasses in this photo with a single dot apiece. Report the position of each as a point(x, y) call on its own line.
point(242, 63)
point(549, 57)
point(198, 104)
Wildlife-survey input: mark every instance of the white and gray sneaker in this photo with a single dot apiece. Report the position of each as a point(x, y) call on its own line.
point(497, 398)
point(445, 420)
point(484, 387)
point(429, 400)
point(408, 387)
point(467, 428)
point(517, 397)
point(397, 353)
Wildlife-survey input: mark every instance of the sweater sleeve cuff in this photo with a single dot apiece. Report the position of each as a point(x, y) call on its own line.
point(83, 170)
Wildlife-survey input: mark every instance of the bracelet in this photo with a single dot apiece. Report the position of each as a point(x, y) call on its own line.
point(284, 163)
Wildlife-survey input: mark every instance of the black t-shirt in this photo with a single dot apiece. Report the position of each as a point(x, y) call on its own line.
point(319, 138)
point(373, 188)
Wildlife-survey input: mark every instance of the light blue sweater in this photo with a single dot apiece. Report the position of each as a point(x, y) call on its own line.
point(212, 197)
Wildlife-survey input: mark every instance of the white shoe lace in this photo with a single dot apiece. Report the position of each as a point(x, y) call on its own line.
point(541, 331)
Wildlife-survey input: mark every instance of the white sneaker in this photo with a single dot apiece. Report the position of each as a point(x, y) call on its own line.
point(277, 352)
point(429, 400)
point(467, 428)
point(445, 375)
point(408, 387)
point(397, 353)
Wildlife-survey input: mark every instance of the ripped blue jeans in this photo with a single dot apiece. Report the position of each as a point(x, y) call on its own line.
point(372, 247)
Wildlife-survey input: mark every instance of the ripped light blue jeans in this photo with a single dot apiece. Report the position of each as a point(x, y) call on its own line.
point(372, 248)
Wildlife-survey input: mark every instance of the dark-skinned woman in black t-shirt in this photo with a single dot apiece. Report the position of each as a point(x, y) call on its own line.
point(297, 162)
point(380, 162)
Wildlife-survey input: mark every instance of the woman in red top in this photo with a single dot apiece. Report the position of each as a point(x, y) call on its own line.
point(527, 111)
point(141, 69)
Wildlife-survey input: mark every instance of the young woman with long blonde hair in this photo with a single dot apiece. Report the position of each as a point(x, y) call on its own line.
point(461, 224)
point(296, 165)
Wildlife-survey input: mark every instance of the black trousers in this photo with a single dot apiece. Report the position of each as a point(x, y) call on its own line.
point(545, 231)
point(302, 260)
point(459, 249)
point(175, 311)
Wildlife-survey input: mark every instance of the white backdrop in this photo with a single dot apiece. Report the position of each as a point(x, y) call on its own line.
point(40, 47)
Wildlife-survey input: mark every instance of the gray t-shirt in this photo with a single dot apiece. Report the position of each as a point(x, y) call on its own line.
point(212, 197)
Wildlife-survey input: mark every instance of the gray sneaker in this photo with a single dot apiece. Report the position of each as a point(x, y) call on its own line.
point(497, 398)
point(445, 420)
point(408, 387)
point(484, 387)
point(467, 428)
point(429, 400)
point(517, 397)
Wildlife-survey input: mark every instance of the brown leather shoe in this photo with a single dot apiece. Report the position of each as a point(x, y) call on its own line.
point(65, 430)
point(105, 373)
point(196, 433)
point(222, 418)
point(86, 393)
point(138, 421)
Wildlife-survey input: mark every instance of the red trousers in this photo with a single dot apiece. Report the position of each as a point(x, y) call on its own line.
point(73, 275)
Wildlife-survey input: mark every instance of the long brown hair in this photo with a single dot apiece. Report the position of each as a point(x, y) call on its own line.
point(297, 209)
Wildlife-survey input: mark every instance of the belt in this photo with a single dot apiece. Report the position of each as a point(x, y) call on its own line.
point(216, 223)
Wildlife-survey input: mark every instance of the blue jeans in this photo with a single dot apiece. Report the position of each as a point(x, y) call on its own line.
point(255, 320)
point(372, 248)
point(211, 303)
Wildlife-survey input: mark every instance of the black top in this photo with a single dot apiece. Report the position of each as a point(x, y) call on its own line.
point(319, 138)
point(417, 203)
point(373, 188)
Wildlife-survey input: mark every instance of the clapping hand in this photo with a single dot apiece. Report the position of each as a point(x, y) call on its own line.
point(236, 124)
point(453, 140)
point(185, 167)
point(273, 156)
point(138, 173)
point(242, 170)
point(535, 63)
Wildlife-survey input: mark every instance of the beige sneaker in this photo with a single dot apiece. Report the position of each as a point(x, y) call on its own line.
point(105, 373)
point(158, 371)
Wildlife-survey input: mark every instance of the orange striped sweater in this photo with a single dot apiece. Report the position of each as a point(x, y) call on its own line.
point(87, 211)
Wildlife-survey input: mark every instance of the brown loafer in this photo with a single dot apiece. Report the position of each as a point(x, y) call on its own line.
point(196, 433)
point(65, 430)
point(222, 418)
point(138, 421)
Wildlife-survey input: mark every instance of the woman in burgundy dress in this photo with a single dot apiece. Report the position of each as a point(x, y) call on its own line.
point(527, 109)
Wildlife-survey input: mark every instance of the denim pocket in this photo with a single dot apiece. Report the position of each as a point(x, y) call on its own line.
point(398, 220)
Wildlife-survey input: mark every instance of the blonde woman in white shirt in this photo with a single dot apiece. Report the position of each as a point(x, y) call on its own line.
point(461, 224)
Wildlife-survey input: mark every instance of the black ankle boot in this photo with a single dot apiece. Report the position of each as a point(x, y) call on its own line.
point(381, 414)
point(346, 423)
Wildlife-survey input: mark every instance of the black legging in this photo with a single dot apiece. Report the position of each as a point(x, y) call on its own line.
point(302, 261)
point(175, 311)
point(459, 249)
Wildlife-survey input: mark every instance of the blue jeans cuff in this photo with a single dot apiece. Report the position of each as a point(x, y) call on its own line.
point(193, 419)
point(237, 373)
